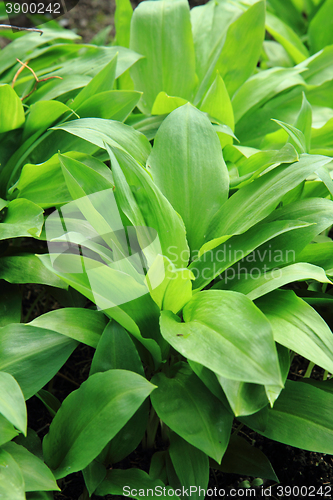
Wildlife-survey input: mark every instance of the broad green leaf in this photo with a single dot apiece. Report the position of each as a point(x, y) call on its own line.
point(304, 122)
point(23, 218)
point(249, 31)
point(10, 303)
point(209, 378)
point(42, 115)
point(116, 350)
point(258, 199)
point(191, 464)
point(170, 288)
point(45, 184)
point(101, 82)
point(116, 134)
point(210, 23)
point(284, 34)
point(131, 482)
point(246, 460)
point(320, 32)
point(218, 105)
point(296, 421)
point(27, 268)
point(216, 259)
point(145, 205)
point(261, 87)
point(318, 68)
point(93, 475)
point(11, 478)
point(36, 475)
point(299, 327)
point(41, 354)
point(7, 430)
point(12, 404)
point(185, 405)
point(107, 401)
point(165, 104)
point(296, 136)
point(49, 400)
point(100, 293)
point(285, 248)
point(244, 398)
point(190, 171)
point(122, 22)
point(112, 104)
point(11, 109)
point(83, 325)
point(168, 25)
point(258, 284)
point(214, 335)
point(23, 46)
point(318, 254)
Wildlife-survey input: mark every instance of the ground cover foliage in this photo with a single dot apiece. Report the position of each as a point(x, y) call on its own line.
point(173, 191)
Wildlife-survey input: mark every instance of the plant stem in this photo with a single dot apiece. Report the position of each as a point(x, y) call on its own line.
point(309, 370)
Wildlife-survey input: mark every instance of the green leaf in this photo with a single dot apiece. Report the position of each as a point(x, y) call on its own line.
point(218, 105)
point(285, 35)
point(10, 303)
point(42, 353)
point(320, 27)
point(296, 421)
point(11, 109)
point(122, 22)
point(258, 199)
point(107, 401)
point(165, 104)
point(244, 398)
point(185, 405)
point(36, 475)
point(261, 87)
point(214, 335)
point(45, 184)
point(168, 24)
point(99, 131)
point(246, 34)
point(210, 23)
point(258, 284)
point(83, 325)
point(170, 288)
point(191, 465)
point(23, 218)
point(11, 479)
point(131, 482)
point(12, 404)
point(42, 115)
point(7, 431)
point(101, 82)
point(246, 460)
point(296, 136)
point(318, 254)
point(113, 104)
point(182, 163)
point(116, 350)
point(27, 268)
point(299, 327)
point(215, 260)
point(304, 122)
point(49, 400)
point(144, 205)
